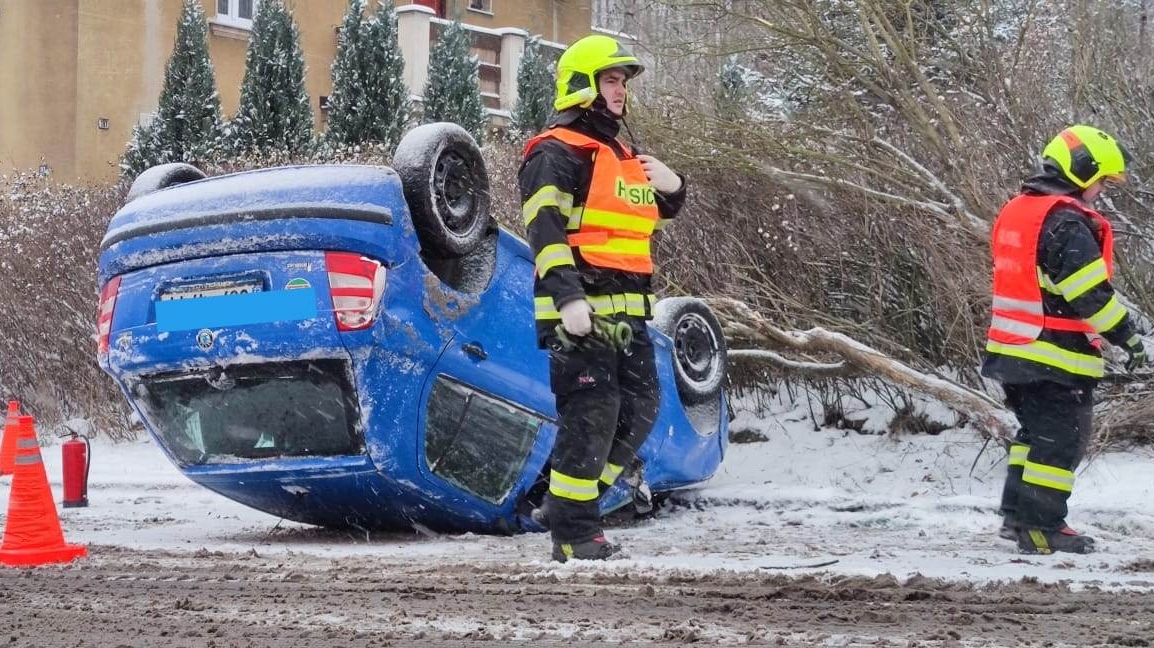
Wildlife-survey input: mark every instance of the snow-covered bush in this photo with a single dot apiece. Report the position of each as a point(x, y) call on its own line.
point(51, 234)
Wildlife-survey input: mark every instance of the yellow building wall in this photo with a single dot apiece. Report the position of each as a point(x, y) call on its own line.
point(122, 48)
point(38, 85)
point(77, 75)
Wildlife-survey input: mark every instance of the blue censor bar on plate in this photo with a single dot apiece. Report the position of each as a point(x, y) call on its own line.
point(236, 310)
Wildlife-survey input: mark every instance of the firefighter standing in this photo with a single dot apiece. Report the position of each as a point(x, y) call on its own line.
point(1052, 306)
point(591, 204)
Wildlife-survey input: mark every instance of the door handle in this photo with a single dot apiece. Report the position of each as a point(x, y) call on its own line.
point(475, 349)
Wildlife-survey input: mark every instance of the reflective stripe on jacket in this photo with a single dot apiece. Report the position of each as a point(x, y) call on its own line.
point(613, 228)
point(1018, 314)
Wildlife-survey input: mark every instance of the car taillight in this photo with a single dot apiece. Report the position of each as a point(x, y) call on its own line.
point(356, 284)
point(104, 317)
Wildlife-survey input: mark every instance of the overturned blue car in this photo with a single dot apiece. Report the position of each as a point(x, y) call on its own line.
point(353, 346)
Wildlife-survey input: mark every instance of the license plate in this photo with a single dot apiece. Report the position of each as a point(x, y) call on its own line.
point(215, 289)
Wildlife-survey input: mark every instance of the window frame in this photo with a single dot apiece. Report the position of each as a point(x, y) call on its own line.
point(475, 403)
point(232, 17)
point(485, 8)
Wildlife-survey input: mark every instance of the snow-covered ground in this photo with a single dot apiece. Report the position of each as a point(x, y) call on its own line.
point(877, 504)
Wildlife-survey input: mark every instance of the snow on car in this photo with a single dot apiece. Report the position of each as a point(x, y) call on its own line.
point(353, 346)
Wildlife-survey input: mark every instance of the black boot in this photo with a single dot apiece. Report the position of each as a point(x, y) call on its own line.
point(1009, 530)
point(1042, 541)
point(596, 548)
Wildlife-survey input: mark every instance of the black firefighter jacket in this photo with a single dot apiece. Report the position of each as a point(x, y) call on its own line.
point(554, 163)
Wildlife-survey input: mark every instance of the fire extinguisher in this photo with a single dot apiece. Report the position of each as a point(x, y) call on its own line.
point(77, 455)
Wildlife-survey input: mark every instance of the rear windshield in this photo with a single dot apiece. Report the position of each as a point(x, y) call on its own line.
point(254, 411)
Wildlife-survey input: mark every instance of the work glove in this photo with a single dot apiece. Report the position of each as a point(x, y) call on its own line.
point(1135, 353)
point(577, 317)
point(660, 176)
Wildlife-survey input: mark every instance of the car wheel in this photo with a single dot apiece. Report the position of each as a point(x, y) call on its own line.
point(446, 187)
point(163, 176)
point(699, 353)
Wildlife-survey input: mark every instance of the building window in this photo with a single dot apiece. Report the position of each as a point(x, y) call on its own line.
point(481, 5)
point(236, 13)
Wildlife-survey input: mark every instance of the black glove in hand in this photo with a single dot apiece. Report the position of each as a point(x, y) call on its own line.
point(1135, 354)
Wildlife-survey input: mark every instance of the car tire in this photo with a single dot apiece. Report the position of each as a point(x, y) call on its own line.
point(699, 352)
point(163, 176)
point(446, 187)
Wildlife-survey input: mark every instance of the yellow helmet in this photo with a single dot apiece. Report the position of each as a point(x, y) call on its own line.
point(1086, 155)
point(578, 67)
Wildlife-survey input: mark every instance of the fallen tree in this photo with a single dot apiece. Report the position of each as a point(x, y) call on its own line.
point(743, 324)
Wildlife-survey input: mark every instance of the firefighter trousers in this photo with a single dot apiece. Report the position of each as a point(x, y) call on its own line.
point(606, 405)
point(1056, 422)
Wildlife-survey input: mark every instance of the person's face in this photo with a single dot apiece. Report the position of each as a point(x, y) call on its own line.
point(611, 85)
point(1095, 191)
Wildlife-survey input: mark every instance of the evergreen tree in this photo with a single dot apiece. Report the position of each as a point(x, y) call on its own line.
point(347, 102)
point(274, 112)
point(534, 90)
point(142, 152)
point(187, 127)
point(370, 102)
point(387, 97)
point(452, 92)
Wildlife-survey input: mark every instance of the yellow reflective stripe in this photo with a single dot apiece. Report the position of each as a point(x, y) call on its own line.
point(574, 488)
point(602, 304)
point(611, 473)
point(544, 309)
point(547, 196)
point(1080, 364)
point(638, 247)
point(628, 303)
point(617, 221)
point(1018, 454)
point(1040, 541)
point(551, 256)
point(1048, 476)
point(575, 217)
point(1108, 316)
point(636, 304)
point(1046, 283)
point(1087, 277)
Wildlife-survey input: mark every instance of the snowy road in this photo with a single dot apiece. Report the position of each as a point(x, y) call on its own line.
point(911, 529)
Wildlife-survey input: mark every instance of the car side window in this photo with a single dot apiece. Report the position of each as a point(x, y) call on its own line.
point(476, 441)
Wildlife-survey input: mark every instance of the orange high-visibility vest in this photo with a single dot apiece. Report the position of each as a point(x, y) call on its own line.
point(1017, 313)
point(614, 227)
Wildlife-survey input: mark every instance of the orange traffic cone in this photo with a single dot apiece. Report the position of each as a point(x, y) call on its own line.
point(32, 535)
point(8, 443)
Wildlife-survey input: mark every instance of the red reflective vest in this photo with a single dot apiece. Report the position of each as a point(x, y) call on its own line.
point(613, 228)
point(1017, 313)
